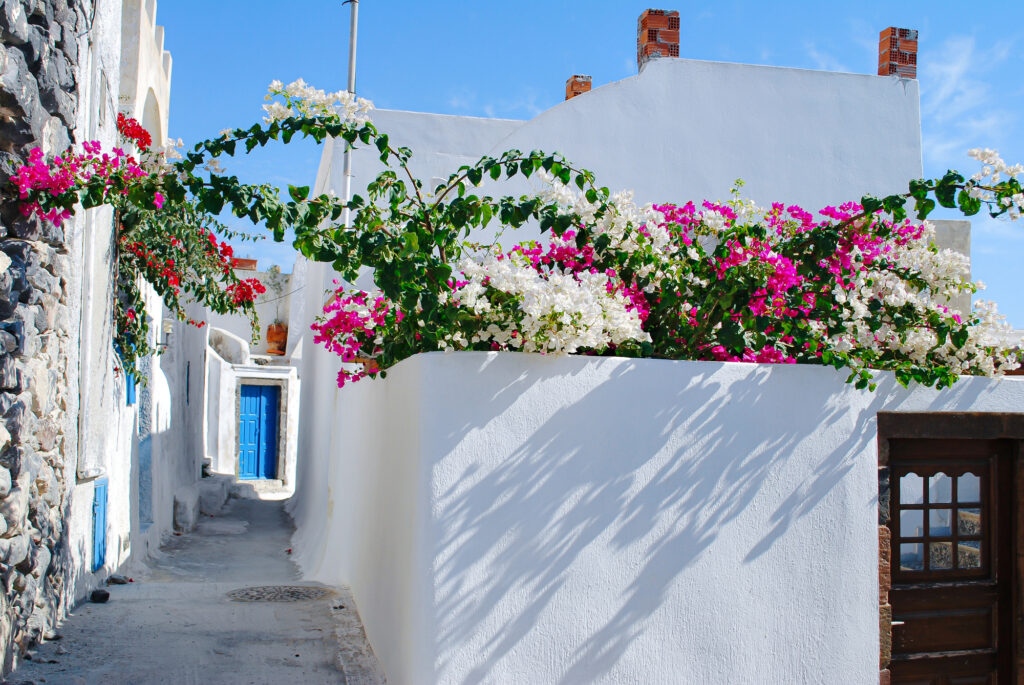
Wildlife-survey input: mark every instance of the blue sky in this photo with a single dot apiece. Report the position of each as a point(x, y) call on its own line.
point(511, 59)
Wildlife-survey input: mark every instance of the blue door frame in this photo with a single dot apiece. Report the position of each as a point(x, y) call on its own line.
point(257, 431)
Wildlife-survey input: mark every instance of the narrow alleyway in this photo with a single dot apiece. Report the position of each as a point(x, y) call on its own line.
point(176, 623)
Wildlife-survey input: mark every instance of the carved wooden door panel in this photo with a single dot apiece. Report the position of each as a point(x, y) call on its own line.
point(952, 562)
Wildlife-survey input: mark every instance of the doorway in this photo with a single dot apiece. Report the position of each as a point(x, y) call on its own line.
point(951, 514)
point(258, 416)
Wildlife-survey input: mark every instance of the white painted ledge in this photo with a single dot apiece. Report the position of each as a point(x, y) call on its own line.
point(515, 518)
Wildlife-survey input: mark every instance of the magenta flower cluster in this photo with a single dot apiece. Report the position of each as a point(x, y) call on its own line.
point(60, 181)
point(351, 324)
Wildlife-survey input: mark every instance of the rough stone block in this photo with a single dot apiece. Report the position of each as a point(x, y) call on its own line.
point(11, 459)
point(186, 508)
point(47, 432)
point(14, 507)
point(14, 340)
point(69, 44)
point(41, 558)
point(17, 250)
point(27, 228)
point(37, 48)
point(41, 279)
point(19, 421)
point(13, 550)
point(213, 493)
point(19, 101)
point(13, 23)
point(9, 376)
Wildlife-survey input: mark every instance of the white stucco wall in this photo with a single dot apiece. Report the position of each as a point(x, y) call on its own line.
point(105, 424)
point(686, 129)
point(124, 68)
point(145, 91)
point(221, 434)
point(529, 519)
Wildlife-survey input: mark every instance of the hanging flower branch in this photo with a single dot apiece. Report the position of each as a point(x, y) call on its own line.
point(162, 239)
point(857, 286)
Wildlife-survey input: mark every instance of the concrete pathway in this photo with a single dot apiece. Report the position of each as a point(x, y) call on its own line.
point(176, 624)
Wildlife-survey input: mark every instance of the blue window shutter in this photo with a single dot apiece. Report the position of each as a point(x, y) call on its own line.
point(130, 380)
point(99, 524)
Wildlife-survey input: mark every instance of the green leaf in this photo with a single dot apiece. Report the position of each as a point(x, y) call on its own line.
point(893, 204)
point(298, 194)
point(919, 188)
point(968, 205)
point(870, 204)
point(924, 207)
point(959, 336)
point(411, 243)
point(945, 189)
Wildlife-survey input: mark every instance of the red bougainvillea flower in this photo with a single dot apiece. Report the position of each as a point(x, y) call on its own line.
point(133, 130)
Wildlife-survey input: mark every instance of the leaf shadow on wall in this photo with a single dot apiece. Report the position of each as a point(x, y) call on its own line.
point(654, 478)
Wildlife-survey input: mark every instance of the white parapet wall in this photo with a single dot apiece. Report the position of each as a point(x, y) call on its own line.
point(685, 130)
point(511, 518)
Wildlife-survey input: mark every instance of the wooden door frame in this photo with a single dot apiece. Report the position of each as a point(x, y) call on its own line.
point(939, 426)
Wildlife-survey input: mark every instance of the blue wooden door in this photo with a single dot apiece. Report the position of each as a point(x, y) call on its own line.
point(257, 431)
point(99, 524)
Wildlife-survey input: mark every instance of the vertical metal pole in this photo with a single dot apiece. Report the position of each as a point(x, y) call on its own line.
point(353, 30)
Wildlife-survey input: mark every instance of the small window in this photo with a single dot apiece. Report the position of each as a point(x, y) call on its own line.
point(940, 524)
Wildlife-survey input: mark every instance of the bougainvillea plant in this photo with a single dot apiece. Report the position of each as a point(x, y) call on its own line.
point(163, 237)
point(858, 286)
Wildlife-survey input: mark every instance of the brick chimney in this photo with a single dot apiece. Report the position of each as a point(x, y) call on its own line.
point(657, 35)
point(897, 52)
point(577, 85)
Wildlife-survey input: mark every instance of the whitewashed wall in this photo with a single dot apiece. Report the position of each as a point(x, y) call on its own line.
point(145, 91)
point(515, 518)
point(222, 433)
point(145, 450)
point(686, 129)
point(105, 423)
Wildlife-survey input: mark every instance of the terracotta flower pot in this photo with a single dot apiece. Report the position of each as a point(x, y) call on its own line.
point(277, 336)
point(369, 364)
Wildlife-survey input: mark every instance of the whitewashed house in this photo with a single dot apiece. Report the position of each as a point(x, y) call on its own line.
point(248, 385)
point(93, 465)
point(505, 517)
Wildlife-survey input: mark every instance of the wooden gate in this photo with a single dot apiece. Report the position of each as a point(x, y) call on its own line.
point(951, 519)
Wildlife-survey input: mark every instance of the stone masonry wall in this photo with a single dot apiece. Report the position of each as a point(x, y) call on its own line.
point(39, 319)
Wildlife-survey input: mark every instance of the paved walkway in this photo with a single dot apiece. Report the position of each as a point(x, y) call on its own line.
point(176, 624)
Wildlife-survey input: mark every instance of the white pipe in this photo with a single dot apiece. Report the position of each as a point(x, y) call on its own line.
point(353, 29)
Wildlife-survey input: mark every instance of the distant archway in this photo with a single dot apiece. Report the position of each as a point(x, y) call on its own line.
point(151, 119)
